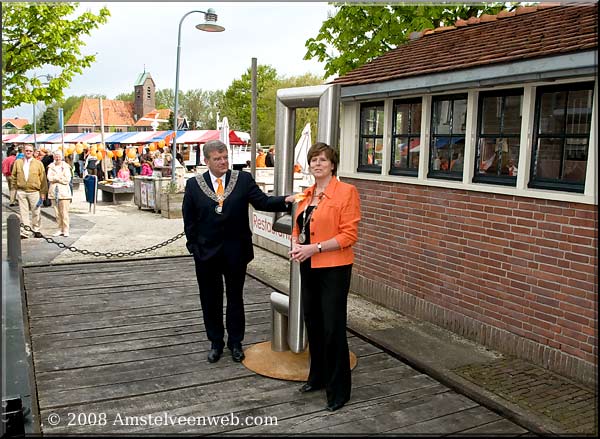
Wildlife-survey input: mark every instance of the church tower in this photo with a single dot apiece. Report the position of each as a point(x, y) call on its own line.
point(144, 95)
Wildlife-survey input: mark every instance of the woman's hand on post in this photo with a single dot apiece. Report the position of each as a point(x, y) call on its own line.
point(301, 253)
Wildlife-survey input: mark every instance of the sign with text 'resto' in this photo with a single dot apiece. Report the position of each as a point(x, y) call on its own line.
point(262, 225)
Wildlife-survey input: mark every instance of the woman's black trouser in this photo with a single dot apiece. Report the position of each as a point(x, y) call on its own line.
point(324, 300)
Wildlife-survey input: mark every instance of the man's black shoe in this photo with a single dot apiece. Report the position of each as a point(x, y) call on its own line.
point(37, 235)
point(308, 388)
point(214, 355)
point(237, 354)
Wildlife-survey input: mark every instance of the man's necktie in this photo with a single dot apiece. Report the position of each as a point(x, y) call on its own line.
point(220, 190)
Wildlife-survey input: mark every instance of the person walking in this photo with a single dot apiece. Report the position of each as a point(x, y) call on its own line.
point(59, 177)
point(270, 158)
point(29, 177)
point(325, 228)
point(216, 225)
point(7, 165)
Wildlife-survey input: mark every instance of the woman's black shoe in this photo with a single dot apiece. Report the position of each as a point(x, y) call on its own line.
point(309, 388)
point(335, 406)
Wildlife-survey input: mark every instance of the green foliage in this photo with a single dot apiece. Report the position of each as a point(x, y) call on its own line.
point(43, 36)
point(165, 98)
point(356, 34)
point(127, 97)
point(237, 103)
point(48, 123)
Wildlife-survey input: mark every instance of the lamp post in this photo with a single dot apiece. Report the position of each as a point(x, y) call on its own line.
point(209, 25)
point(48, 78)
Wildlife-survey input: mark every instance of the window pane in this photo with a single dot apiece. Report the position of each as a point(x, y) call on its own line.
point(415, 118)
point(378, 152)
point(441, 117)
point(400, 152)
point(413, 160)
point(491, 115)
point(371, 121)
point(498, 156)
point(440, 157)
point(548, 160)
point(512, 115)
point(552, 112)
point(579, 112)
point(575, 160)
point(368, 151)
point(457, 154)
point(402, 119)
point(459, 116)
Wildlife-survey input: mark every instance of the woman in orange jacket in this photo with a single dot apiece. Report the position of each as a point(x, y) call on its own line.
point(325, 228)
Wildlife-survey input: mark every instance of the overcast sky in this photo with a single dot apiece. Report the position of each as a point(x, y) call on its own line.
point(142, 35)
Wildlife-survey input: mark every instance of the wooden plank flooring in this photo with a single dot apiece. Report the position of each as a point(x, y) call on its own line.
point(119, 347)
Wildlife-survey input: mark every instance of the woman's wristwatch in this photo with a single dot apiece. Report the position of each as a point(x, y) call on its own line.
point(320, 247)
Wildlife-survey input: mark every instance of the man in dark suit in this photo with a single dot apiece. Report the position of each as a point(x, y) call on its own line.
point(216, 224)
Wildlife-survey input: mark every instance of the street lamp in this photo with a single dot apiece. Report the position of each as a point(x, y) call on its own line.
point(209, 25)
point(48, 78)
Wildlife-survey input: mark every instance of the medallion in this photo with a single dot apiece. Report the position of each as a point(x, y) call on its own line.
point(301, 238)
point(219, 210)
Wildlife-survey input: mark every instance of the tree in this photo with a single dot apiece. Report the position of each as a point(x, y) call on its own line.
point(354, 34)
point(43, 35)
point(127, 97)
point(48, 123)
point(165, 98)
point(266, 130)
point(238, 99)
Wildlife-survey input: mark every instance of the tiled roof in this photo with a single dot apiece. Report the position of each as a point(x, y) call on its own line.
point(528, 32)
point(116, 113)
point(146, 121)
point(17, 122)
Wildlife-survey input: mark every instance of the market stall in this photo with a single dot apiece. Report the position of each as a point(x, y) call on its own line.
point(115, 190)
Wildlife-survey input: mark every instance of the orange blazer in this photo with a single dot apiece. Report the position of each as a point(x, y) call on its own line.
point(337, 216)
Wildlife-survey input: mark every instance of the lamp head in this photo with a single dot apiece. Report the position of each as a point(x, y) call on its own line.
point(210, 22)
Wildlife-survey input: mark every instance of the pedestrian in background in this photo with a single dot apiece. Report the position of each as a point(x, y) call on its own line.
point(270, 158)
point(325, 228)
point(29, 177)
point(59, 177)
point(7, 165)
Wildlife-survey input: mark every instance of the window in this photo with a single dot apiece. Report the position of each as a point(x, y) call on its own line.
point(148, 93)
point(447, 149)
point(498, 137)
point(561, 137)
point(406, 137)
point(370, 153)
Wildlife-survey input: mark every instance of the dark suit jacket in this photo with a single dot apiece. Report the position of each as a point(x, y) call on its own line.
point(207, 232)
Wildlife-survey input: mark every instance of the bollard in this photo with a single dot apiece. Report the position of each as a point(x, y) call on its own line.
point(13, 239)
point(279, 322)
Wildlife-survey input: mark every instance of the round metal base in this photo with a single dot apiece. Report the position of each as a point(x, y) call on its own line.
point(281, 365)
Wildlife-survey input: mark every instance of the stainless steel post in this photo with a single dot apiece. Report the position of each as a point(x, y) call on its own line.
point(296, 331)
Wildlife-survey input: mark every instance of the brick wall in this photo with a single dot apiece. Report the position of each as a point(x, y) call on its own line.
point(517, 274)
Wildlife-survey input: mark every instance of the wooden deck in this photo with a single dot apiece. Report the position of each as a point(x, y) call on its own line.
point(118, 346)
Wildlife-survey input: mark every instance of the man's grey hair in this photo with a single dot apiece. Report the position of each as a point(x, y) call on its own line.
point(213, 145)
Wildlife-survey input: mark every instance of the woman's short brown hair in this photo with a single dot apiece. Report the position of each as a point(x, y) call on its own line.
point(330, 153)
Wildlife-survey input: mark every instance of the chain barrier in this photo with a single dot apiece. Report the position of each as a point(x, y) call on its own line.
point(106, 254)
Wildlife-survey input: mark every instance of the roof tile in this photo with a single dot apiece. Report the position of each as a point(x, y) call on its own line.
point(530, 34)
point(116, 113)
